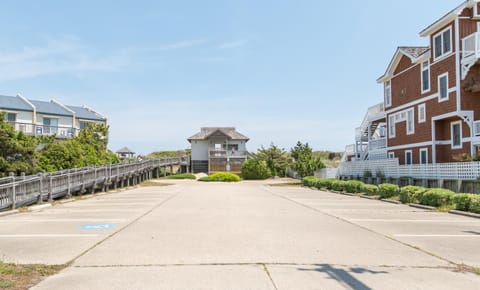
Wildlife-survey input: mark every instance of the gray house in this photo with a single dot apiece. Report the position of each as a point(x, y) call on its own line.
point(217, 149)
point(47, 118)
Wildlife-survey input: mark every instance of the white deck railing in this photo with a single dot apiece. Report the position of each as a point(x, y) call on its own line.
point(391, 168)
point(471, 47)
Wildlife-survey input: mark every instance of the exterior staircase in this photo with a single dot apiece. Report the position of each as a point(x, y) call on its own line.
point(370, 137)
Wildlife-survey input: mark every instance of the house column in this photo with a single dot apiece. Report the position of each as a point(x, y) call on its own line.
point(434, 147)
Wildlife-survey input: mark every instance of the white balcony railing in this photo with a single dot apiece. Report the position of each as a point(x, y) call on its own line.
point(471, 47)
point(221, 153)
point(378, 144)
point(43, 130)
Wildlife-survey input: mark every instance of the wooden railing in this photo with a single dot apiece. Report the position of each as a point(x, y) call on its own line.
point(18, 191)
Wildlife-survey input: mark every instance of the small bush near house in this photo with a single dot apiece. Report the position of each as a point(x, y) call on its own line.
point(182, 176)
point(437, 197)
point(222, 177)
point(255, 169)
point(387, 190)
point(325, 183)
point(310, 181)
point(353, 186)
point(411, 193)
point(370, 189)
point(464, 201)
point(475, 204)
point(338, 185)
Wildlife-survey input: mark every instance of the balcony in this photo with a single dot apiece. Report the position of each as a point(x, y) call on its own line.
point(470, 52)
point(59, 132)
point(222, 153)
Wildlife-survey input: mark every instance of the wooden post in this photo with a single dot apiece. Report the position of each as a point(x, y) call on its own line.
point(50, 188)
point(69, 194)
point(14, 194)
point(40, 182)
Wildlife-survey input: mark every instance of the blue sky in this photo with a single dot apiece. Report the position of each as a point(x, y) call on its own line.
point(279, 71)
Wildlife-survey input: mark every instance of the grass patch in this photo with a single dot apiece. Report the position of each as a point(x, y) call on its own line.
point(16, 277)
point(285, 184)
point(182, 176)
point(154, 183)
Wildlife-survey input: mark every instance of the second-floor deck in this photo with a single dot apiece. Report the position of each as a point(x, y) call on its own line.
point(43, 130)
point(222, 153)
point(470, 52)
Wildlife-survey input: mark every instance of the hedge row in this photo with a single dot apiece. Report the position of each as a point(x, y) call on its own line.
point(221, 177)
point(437, 197)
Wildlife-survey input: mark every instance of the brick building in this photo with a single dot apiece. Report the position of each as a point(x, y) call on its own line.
point(431, 108)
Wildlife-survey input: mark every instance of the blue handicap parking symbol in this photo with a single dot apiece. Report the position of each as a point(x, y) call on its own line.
point(97, 226)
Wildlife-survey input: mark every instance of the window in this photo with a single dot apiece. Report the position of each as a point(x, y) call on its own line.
point(11, 117)
point(388, 93)
point(424, 156)
point(443, 87)
point(83, 125)
point(425, 76)
point(442, 43)
point(410, 122)
point(408, 157)
point(422, 113)
point(391, 155)
point(456, 130)
point(391, 126)
point(50, 126)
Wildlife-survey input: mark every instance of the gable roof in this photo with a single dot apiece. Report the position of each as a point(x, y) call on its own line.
point(125, 150)
point(449, 17)
point(14, 103)
point(414, 53)
point(50, 108)
point(85, 113)
point(207, 132)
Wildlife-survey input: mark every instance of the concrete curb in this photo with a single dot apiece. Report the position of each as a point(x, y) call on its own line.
point(421, 206)
point(39, 207)
point(368, 197)
point(10, 212)
point(391, 201)
point(464, 213)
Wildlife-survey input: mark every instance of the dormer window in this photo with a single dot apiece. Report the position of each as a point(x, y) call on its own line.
point(388, 93)
point(442, 43)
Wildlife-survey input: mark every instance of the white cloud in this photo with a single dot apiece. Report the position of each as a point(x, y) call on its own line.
point(61, 55)
point(233, 44)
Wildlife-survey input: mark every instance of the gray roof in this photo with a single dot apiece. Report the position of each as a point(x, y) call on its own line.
point(125, 150)
point(14, 103)
point(230, 132)
point(50, 108)
point(414, 51)
point(84, 113)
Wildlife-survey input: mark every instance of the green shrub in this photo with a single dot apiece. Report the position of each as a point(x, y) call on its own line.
point(462, 201)
point(338, 185)
point(182, 176)
point(221, 176)
point(325, 183)
point(437, 197)
point(387, 190)
point(353, 186)
point(310, 181)
point(475, 204)
point(411, 193)
point(255, 169)
point(370, 189)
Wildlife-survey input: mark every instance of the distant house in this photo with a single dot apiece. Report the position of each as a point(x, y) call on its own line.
point(125, 153)
point(217, 149)
point(47, 118)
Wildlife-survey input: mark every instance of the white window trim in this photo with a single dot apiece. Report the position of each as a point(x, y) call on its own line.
point(438, 85)
point(388, 98)
point(444, 54)
point(391, 124)
point(411, 157)
point(452, 137)
point(421, 76)
point(426, 151)
point(422, 118)
point(391, 155)
point(412, 131)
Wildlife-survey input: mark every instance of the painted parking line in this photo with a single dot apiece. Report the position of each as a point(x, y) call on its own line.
point(49, 236)
point(60, 220)
point(416, 220)
point(97, 226)
point(435, 236)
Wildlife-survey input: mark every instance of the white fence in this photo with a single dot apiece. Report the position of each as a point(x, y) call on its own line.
point(391, 168)
point(326, 173)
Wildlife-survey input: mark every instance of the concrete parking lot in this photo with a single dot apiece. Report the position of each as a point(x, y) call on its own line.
point(245, 235)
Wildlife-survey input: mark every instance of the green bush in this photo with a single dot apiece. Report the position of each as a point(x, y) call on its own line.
point(325, 183)
point(338, 185)
point(353, 186)
point(310, 181)
point(437, 197)
point(387, 190)
point(465, 201)
point(411, 193)
point(182, 176)
point(370, 189)
point(255, 169)
point(222, 177)
point(475, 204)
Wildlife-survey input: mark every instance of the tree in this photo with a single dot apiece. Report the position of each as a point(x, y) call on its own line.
point(305, 163)
point(277, 159)
point(255, 169)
